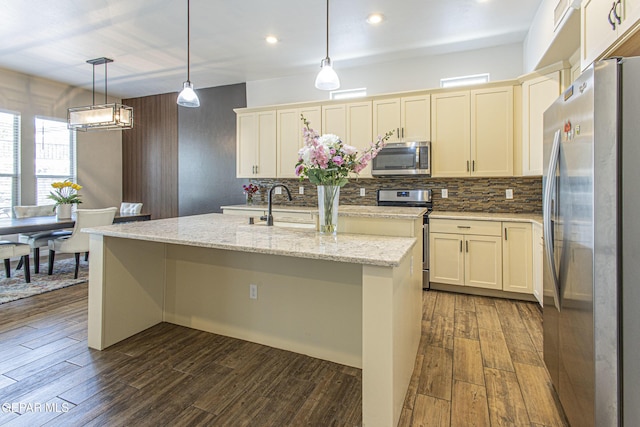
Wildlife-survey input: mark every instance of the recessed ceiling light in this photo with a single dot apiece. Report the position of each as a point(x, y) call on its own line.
point(271, 39)
point(375, 18)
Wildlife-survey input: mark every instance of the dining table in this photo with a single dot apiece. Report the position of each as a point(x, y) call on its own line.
point(51, 222)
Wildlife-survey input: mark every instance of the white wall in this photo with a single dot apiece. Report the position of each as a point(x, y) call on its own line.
point(540, 35)
point(99, 153)
point(501, 62)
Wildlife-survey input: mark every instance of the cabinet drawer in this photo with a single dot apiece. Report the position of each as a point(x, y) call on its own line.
point(484, 228)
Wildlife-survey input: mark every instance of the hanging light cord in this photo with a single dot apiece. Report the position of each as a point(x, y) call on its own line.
point(188, 40)
point(93, 91)
point(327, 29)
point(105, 82)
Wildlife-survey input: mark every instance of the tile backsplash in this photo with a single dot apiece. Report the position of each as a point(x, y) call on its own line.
point(465, 194)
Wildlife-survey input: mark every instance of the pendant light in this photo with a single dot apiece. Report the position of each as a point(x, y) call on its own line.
point(327, 78)
point(188, 97)
point(105, 116)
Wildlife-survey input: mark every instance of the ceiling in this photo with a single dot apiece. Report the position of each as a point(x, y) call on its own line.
point(147, 39)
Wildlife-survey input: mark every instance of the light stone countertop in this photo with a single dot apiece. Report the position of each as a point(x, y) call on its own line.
point(234, 233)
point(390, 212)
point(485, 216)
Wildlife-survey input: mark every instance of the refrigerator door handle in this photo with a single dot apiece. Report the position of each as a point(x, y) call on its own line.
point(546, 212)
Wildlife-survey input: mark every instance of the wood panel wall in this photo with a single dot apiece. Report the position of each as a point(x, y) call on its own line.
point(150, 155)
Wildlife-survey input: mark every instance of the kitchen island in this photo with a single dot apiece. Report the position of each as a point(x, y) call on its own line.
point(353, 299)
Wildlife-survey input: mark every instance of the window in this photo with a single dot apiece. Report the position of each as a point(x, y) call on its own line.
point(476, 79)
point(9, 162)
point(348, 93)
point(55, 153)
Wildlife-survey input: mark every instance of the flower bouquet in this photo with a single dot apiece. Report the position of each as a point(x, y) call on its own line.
point(327, 162)
point(250, 190)
point(65, 194)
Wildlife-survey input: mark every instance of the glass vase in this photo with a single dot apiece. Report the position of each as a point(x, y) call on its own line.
point(249, 199)
point(328, 200)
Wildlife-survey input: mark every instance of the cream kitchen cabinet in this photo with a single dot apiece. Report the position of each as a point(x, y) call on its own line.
point(603, 23)
point(409, 117)
point(466, 253)
point(256, 144)
point(289, 138)
point(472, 133)
point(537, 95)
point(517, 258)
point(352, 122)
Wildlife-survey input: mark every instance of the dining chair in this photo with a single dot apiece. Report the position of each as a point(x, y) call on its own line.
point(10, 250)
point(39, 239)
point(78, 241)
point(130, 208)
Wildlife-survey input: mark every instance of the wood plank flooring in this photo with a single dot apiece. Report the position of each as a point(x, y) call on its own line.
point(479, 363)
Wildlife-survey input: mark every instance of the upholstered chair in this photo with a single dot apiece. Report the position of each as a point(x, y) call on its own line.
point(39, 239)
point(78, 241)
point(130, 208)
point(10, 250)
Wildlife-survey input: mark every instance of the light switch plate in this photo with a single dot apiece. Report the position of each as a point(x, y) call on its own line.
point(300, 190)
point(362, 192)
point(509, 193)
point(445, 193)
point(278, 190)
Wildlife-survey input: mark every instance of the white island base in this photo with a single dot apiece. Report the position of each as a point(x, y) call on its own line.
point(361, 315)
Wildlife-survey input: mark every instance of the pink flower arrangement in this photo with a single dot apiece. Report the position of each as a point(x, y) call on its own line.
point(326, 160)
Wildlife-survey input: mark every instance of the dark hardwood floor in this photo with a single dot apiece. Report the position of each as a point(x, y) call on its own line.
point(479, 363)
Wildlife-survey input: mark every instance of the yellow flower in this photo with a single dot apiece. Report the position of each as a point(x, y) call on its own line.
point(76, 187)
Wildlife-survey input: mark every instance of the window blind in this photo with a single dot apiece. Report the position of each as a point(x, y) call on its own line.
point(9, 162)
point(55, 156)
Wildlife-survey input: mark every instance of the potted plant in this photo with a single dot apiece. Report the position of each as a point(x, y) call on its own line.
point(65, 194)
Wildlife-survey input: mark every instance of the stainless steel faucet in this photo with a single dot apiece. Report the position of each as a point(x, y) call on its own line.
point(269, 216)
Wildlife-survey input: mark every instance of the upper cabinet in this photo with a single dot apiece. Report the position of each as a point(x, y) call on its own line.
point(289, 137)
point(604, 22)
point(256, 144)
point(408, 117)
point(472, 133)
point(537, 95)
point(352, 122)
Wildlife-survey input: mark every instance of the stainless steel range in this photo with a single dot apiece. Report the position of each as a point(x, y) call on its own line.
point(413, 198)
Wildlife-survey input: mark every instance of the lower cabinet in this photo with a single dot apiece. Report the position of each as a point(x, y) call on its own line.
point(466, 253)
point(482, 254)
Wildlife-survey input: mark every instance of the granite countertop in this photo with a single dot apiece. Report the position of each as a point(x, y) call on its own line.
point(485, 216)
point(344, 210)
point(234, 233)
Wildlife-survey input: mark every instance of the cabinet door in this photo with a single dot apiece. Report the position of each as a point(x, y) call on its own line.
point(450, 134)
point(537, 95)
point(517, 257)
point(246, 145)
point(359, 129)
point(492, 132)
point(446, 259)
point(483, 261)
point(630, 14)
point(289, 137)
point(596, 32)
point(266, 166)
point(386, 117)
point(415, 113)
point(334, 120)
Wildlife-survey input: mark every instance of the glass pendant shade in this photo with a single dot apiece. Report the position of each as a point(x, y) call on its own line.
point(327, 78)
point(188, 97)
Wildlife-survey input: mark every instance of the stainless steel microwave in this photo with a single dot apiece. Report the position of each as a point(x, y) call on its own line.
point(403, 158)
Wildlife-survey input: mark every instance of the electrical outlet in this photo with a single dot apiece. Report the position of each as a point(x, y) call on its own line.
point(509, 193)
point(278, 190)
point(444, 193)
point(253, 291)
point(362, 192)
point(300, 190)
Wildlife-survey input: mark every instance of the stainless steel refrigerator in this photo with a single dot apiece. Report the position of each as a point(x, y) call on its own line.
point(591, 211)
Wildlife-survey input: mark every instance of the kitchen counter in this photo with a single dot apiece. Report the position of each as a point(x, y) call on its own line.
point(485, 216)
point(234, 233)
point(353, 299)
